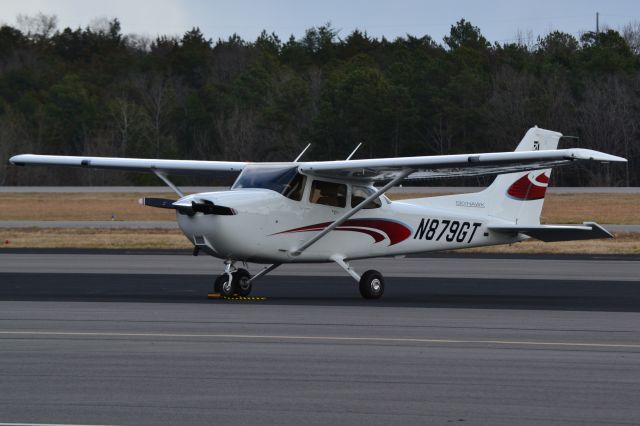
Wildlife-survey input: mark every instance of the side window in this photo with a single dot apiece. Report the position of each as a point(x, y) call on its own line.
point(328, 193)
point(295, 188)
point(360, 193)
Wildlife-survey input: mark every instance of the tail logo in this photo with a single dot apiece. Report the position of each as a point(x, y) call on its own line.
point(529, 187)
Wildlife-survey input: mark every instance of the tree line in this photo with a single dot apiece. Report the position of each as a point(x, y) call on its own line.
point(95, 91)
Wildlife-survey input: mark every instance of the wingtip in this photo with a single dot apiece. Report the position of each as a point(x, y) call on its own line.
point(605, 233)
point(589, 154)
point(16, 160)
point(612, 159)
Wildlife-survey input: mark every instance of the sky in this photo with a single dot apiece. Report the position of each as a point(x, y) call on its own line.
point(499, 20)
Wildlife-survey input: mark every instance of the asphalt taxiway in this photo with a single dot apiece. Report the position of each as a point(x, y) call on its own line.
point(99, 338)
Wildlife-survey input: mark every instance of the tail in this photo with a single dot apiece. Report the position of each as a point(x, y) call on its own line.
point(519, 197)
point(513, 197)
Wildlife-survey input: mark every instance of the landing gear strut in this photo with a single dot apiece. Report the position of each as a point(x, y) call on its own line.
point(371, 283)
point(233, 282)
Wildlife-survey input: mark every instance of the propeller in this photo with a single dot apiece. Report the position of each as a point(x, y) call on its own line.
point(207, 207)
point(162, 203)
point(203, 206)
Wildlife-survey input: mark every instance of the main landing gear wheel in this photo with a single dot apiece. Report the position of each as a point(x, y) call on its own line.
point(241, 282)
point(372, 285)
point(239, 285)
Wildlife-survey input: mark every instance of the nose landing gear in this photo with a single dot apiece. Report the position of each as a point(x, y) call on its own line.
point(237, 281)
point(234, 281)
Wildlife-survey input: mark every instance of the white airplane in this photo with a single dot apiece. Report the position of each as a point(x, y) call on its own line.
point(330, 211)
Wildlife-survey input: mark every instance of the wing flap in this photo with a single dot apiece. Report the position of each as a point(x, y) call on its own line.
point(439, 166)
point(552, 233)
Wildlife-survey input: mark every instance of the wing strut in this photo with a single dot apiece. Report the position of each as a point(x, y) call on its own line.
point(265, 271)
point(401, 175)
point(170, 184)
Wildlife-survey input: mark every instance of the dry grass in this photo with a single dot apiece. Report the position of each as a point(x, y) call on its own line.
point(558, 208)
point(93, 238)
point(602, 208)
point(577, 208)
point(624, 243)
point(80, 206)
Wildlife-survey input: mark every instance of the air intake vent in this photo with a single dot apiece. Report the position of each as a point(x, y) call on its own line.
point(199, 240)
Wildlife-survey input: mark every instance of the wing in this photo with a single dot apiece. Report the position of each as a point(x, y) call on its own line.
point(443, 166)
point(190, 167)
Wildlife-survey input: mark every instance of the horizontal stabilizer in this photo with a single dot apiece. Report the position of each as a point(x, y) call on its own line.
point(550, 233)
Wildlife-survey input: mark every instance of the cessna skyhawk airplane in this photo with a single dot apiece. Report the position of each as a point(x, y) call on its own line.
point(330, 211)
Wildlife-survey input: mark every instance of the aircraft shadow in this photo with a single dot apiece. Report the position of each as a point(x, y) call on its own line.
point(425, 292)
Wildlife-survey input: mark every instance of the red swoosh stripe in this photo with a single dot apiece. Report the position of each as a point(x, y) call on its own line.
point(377, 236)
point(376, 228)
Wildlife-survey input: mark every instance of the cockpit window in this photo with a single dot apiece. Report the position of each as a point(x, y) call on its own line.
point(283, 180)
point(360, 193)
point(328, 193)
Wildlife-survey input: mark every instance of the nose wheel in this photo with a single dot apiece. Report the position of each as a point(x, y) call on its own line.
point(238, 285)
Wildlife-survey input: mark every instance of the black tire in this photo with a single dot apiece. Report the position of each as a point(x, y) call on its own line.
point(217, 285)
point(240, 279)
point(372, 285)
point(226, 289)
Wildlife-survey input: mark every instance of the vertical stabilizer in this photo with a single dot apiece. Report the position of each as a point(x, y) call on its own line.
point(518, 197)
point(512, 197)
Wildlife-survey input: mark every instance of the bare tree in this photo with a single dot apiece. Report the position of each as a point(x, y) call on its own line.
point(39, 26)
point(509, 109)
point(157, 93)
point(125, 120)
point(631, 33)
point(607, 123)
point(238, 133)
point(526, 39)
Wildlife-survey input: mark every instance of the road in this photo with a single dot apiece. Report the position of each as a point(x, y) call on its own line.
point(123, 340)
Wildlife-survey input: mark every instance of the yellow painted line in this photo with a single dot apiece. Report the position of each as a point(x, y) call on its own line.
point(326, 338)
point(244, 298)
point(220, 296)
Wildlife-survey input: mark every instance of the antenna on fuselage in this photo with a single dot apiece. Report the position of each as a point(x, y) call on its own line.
point(302, 153)
point(353, 152)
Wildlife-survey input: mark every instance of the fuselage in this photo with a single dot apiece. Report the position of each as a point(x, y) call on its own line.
point(268, 226)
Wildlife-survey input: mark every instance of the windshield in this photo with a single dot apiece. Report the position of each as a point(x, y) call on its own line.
point(284, 180)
